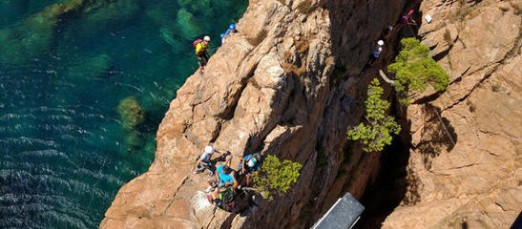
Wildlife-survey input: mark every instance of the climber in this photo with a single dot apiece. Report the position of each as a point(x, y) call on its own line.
point(226, 175)
point(248, 166)
point(221, 196)
point(408, 18)
point(376, 51)
point(201, 47)
point(230, 31)
point(224, 179)
point(203, 162)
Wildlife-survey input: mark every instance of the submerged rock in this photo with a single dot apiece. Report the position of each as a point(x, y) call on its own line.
point(131, 113)
point(187, 24)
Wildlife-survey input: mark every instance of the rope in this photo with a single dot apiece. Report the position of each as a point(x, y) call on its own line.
point(385, 78)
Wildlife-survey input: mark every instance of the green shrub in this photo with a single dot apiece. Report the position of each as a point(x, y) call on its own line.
point(414, 69)
point(377, 133)
point(276, 177)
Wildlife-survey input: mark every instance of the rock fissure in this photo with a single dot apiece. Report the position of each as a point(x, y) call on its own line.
point(509, 55)
point(489, 152)
point(477, 85)
point(458, 167)
point(174, 195)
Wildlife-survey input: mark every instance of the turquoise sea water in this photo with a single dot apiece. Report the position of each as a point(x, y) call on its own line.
point(64, 152)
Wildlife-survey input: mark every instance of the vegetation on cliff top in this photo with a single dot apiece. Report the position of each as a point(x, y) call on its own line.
point(380, 126)
point(414, 69)
point(275, 176)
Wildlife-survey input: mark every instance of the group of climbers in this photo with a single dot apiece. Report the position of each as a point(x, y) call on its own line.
point(225, 181)
point(377, 47)
point(201, 46)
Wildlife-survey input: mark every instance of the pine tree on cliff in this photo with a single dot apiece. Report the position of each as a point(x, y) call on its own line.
point(275, 176)
point(414, 69)
point(379, 127)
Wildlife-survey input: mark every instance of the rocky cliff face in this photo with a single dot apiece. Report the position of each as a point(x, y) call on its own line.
point(280, 86)
point(294, 79)
point(465, 166)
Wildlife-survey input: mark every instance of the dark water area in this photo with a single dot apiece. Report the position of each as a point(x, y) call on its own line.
point(64, 147)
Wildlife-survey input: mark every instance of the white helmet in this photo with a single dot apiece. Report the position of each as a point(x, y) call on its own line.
point(380, 42)
point(209, 149)
point(206, 38)
point(251, 163)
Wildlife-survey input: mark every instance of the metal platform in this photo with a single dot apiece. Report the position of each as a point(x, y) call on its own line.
point(342, 215)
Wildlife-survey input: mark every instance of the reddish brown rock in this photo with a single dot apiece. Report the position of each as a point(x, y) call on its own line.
point(473, 178)
point(290, 84)
point(273, 88)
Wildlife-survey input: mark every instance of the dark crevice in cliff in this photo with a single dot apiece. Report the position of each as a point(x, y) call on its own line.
point(340, 166)
point(228, 221)
point(389, 188)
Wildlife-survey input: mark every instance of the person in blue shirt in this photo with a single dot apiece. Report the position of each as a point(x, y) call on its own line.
point(225, 178)
point(248, 166)
point(231, 30)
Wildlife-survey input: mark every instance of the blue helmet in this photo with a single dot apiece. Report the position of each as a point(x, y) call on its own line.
point(232, 27)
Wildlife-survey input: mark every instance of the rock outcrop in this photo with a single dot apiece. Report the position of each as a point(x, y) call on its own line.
point(293, 80)
point(465, 166)
point(289, 83)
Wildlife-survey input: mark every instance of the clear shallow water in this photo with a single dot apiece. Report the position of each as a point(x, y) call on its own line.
point(63, 150)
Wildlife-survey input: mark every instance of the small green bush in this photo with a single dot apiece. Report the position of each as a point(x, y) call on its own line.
point(378, 132)
point(275, 176)
point(414, 69)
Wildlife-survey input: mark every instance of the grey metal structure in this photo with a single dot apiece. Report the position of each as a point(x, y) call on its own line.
point(342, 215)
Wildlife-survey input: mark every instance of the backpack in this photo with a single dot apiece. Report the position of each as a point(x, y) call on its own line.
point(196, 42)
point(257, 156)
point(227, 195)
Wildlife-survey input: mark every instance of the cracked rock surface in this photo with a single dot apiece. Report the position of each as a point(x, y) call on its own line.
point(465, 166)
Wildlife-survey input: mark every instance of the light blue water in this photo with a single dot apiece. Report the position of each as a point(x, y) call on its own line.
point(63, 150)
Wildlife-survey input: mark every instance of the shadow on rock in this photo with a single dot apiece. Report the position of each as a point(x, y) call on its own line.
point(437, 135)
